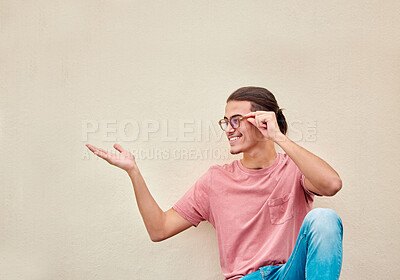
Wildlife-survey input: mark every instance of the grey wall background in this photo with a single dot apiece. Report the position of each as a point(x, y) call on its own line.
point(69, 66)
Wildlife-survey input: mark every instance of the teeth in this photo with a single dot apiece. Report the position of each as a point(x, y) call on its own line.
point(234, 138)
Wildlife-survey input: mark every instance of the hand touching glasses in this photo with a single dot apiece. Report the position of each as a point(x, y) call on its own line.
point(267, 124)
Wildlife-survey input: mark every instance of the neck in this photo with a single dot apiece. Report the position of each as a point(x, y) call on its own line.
point(260, 158)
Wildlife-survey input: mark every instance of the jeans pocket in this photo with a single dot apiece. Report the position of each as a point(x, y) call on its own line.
point(280, 209)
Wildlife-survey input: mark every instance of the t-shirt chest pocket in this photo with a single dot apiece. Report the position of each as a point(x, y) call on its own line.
point(280, 209)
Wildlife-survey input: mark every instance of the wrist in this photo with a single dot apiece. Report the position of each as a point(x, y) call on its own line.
point(133, 170)
point(280, 138)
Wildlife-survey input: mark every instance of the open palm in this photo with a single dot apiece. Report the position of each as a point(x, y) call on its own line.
point(124, 160)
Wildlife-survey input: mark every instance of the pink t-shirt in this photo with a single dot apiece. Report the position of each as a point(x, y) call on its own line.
point(257, 213)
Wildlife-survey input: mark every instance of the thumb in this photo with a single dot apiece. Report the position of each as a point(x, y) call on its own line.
point(119, 148)
point(252, 121)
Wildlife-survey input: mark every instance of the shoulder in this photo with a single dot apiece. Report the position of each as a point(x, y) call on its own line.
point(287, 161)
point(218, 171)
point(284, 157)
point(223, 168)
point(287, 166)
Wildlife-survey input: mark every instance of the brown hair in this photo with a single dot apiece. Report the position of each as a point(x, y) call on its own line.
point(261, 100)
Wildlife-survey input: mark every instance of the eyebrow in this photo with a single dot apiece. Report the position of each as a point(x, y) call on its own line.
point(233, 116)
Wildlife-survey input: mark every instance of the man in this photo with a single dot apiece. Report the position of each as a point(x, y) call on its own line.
point(260, 205)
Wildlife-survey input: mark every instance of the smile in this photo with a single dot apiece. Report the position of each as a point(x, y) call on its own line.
point(234, 139)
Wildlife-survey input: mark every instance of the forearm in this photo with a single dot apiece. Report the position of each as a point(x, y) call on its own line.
point(152, 214)
point(321, 175)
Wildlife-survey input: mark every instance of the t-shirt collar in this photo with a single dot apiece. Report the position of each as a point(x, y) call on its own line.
point(262, 170)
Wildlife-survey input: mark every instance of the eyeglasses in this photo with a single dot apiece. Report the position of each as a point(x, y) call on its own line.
point(234, 121)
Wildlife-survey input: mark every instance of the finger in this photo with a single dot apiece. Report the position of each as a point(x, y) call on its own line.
point(94, 148)
point(119, 148)
point(251, 114)
point(252, 121)
point(264, 112)
point(258, 122)
point(90, 147)
point(262, 122)
point(103, 155)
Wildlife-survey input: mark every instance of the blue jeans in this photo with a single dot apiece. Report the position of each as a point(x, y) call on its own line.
point(317, 254)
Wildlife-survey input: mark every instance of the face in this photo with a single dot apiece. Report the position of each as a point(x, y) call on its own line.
point(246, 137)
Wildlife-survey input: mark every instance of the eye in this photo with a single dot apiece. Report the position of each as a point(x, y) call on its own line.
point(223, 124)
point(235, 122)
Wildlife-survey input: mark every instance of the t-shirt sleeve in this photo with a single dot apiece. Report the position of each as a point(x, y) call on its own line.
point(194, 205)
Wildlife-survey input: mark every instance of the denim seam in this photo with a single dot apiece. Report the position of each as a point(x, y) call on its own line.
point(294, 253)
point(339, 262)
